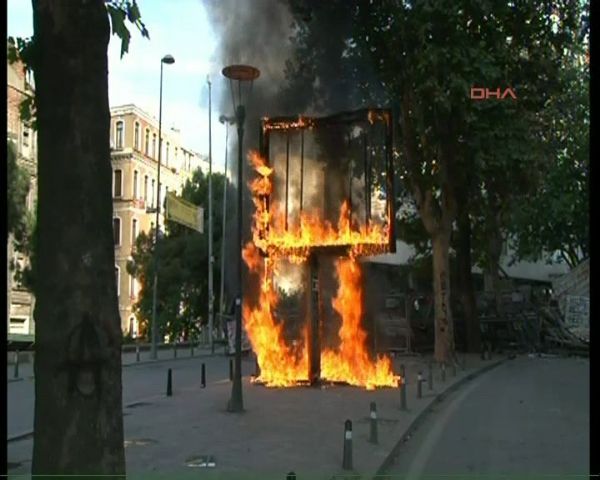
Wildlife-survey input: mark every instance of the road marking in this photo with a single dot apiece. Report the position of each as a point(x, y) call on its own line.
point(415, 472)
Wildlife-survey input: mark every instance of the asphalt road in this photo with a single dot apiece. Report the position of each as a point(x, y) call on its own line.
point(140, 383)
point(527, 418)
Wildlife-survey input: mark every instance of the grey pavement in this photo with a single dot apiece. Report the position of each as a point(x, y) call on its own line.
point(295, 429)
point(528, 418)
point(141, 380)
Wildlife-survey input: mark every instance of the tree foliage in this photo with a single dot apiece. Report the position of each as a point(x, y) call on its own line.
point(19, 219)
point(182, 305)
point(556, 216)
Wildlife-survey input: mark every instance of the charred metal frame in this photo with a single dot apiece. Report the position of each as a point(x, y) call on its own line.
point(288, 124)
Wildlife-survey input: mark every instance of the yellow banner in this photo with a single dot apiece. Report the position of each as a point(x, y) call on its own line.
point(185, 213)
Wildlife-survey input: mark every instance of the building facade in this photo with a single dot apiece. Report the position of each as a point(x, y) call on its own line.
point(134, 157)
point(20, 302)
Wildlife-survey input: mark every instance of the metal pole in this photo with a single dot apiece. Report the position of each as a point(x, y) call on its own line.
point(222, 293)
point(155, 286)
point(210, 226)
point(237, 403)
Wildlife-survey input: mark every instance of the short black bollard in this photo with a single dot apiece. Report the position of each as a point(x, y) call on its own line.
point(175, 350)
point(403, 388)
point(443, 371)
point(16, 364)
point(231, 369)
point(203, 376)
point(430, 379)
point(169, 384)
point(454, 368)
point(347, 460)
point(137, 353)
point(373, 430)
point(420, 385)
point(290, 476)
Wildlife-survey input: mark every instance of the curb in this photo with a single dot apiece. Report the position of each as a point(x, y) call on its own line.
point(11, 380)
point(19, 436)
point(389, 459)
point(159, 360)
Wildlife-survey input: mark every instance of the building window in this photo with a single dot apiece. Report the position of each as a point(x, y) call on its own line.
point(147, 143)
point(134, 231)
point(176, 156)
point(132, 286)
point(154, 145)
point(118, 278)
point(146, 188)
point(118, 183)
point(167, 154)
point(136, 137)
point(153, 192)
point(119, 134)
point(117, 230)
point(25, 136)
point(135, 184)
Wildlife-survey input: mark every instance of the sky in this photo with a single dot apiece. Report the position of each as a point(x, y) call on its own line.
point(182, 31)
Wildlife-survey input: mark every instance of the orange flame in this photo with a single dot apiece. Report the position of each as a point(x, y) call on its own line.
point(280, 364)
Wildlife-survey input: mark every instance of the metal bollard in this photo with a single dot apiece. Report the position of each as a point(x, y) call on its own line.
point(430, 379)
point(169, 383)
point(443, 371)
point(175, 350)
point(203, 376)
point(16, 364)
point(231, 369)
point(420, 385)
point(373, 430)
point(454, 368)
point(137, 353)
point(290, 476)
point(403, 388)
point(347, 460)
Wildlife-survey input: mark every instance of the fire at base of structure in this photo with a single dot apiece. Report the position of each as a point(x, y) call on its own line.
point(305, 241)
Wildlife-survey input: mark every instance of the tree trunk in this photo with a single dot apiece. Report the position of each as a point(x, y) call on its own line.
point(78, 417)
point(444, 329)
point(494, 254)
point(466, 289)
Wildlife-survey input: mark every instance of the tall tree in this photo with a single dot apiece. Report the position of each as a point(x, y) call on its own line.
point(425, 56)
point(78, 422)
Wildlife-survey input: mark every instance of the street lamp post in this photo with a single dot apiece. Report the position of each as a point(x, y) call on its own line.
point(226, 121)
point(243, 75)
point(169, 60)
point(210, 227)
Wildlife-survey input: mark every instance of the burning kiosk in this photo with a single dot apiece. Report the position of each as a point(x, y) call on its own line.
point(323, 198)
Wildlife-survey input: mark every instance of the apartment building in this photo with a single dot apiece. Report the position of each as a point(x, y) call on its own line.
point(20, 302)
point(134, 157)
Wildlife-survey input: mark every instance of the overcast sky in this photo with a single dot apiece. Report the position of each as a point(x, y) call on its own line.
point(179, 28)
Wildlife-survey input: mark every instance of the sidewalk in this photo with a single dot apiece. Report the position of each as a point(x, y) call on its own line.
point(297, 429)
point(128, 359)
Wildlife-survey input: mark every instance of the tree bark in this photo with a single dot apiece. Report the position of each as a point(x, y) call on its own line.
point(78, 419)
point(444, 329)
point(466, 290)
point(494, 254)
